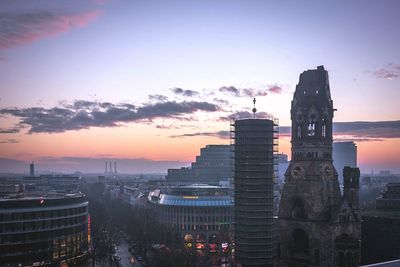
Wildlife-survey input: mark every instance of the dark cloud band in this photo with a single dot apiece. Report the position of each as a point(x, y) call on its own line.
point(84, 114)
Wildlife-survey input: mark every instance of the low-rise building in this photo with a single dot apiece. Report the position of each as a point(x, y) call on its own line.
point(197, 215)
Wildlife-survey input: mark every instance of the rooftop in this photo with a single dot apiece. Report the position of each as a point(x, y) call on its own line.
point(40, 195)
point(199, 201)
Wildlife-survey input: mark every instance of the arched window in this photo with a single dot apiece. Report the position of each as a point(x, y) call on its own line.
point(299, 131)
point(298, 210)
point(311, 128)
point(323, 130)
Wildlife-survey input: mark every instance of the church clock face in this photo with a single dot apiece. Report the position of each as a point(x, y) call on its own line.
point(297, 171)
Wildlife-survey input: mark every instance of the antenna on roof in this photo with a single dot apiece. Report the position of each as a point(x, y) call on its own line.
point(254, 108)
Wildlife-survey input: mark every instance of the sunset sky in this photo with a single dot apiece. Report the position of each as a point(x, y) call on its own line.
point(154, 81)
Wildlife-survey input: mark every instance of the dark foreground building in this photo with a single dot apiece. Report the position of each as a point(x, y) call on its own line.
point(43, 231)
point(381, 228)
point(317, 225)
point(254, 141)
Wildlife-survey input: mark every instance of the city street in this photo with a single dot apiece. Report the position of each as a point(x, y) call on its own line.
point(123, 253)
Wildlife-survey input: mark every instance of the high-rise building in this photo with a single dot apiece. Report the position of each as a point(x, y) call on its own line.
point(32, 169)
point(344, 154)
point(211, 166)
point(317, 225)
point(255, 145)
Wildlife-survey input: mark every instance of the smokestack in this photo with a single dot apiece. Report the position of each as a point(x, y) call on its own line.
point(115, 166)
point(105, 163)
point(110, 167)
point(32, 169)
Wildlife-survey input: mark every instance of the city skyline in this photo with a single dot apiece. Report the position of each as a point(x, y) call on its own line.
point(97, 79)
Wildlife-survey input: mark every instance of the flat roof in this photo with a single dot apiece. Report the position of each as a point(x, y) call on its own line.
point(40, 195)
point(198, 186)
point(198, 201)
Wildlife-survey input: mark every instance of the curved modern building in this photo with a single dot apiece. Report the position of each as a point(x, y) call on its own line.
point(43, 231)
point(197, 215)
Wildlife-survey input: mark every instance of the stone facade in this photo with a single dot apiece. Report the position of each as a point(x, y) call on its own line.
point(317, 225)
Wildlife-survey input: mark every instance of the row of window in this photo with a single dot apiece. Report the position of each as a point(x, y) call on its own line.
point(195, 227)
point(311, 155)
point(200, 210)
point(26, 216)
point(70, 246)
point(41, 225)
point(201, 219)
point(41, 236)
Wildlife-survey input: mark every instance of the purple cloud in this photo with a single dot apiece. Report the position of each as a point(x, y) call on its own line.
point(250, 92)
point(86, 114)
point(24, 28)
point(275, 89)
point(391, 71)
point(218, 134)
point(230, 89)
point(245, 115)
point(9, 141)
point(180, 91)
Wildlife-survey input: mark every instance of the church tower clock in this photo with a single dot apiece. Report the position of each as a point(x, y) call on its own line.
point(312, 230)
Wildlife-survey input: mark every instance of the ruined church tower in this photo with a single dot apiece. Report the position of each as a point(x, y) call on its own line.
point(317, 226)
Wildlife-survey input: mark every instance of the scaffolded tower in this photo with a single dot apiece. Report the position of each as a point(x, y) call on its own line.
point(255, 143)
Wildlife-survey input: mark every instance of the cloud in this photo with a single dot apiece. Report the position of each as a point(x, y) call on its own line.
point(359, 130)
point(163, 127)
point(244, 115)
point(221, 101)
point(9, 141)
point(389, 72)
point(14, 129)
point(250, 92)
point(343, 131)
point(219, 134)
point(275, 89)
point(180, 91)
point(367, 129)
point(253, 92)
point(342, 139)
point(230, 89)
point(84, 114)
point(18, 29)
point(158, 97)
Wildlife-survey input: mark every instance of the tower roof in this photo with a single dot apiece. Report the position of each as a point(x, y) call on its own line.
point(313, 82)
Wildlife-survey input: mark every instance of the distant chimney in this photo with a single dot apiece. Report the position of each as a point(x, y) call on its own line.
point(110, 167)
point(115, 166)
point(32, 169)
